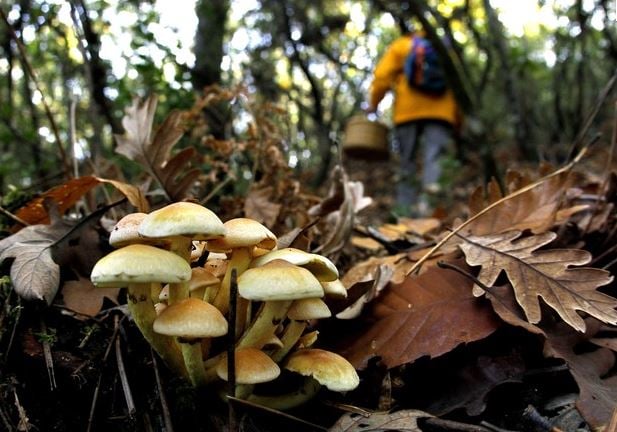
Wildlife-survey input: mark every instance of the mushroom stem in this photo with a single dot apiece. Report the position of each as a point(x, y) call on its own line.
point(270, 315)
point(181, 246)
point(286, 401)
point(292, 333)
point(141, 306)
point(191, 351)
point(239, 260)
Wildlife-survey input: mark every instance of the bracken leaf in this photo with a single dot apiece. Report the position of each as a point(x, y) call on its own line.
point(153, 151)
point(543, 274)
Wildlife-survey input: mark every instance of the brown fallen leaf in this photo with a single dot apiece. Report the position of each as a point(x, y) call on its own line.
point(84, 298)
point(543, 274)
point(67, 194)
point(505, 305)
point(338, 223)
point(598, 393)
point(258, 206)
point(535, 209)
point(404, 420)
point(152, 151)
point(468, 384)
point(429, 314)
point(64, 196)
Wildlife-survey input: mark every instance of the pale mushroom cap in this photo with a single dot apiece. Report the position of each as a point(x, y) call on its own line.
point(308, 308)
point(191, 318)
point(330, 369)
point(125, 231)
point(243, 232)
point(320, 266)
point(139, 264)
point(278, 280)
point(253, 366)
point(334, 288)
point(182, 219)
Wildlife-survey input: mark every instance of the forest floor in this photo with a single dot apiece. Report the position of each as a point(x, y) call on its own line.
point(64, 372)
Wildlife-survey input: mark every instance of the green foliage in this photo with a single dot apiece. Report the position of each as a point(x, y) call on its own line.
point(314, 59)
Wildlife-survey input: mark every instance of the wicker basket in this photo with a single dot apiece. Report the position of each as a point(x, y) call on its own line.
point(365, 139)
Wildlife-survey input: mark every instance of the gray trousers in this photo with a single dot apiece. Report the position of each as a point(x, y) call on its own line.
point(433, 136)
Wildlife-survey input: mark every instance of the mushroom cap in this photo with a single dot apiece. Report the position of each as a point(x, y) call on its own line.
point(278, 280)
point(243, 232)
point(308, 308)
point(320, 266)
point(191, 318)
point(139, 263)
point(182, 219)
point(125, 231)
point(253, 366)
point(330, 369)
point(334, 288)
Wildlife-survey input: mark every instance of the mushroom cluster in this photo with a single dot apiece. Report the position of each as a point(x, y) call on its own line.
point(177, 264)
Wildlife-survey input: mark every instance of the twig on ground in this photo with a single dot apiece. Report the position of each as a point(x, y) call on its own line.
point(277, 413)
point(164, 407)
point(126, 388)
point(449, 266)
point(10, 215)
point(540, 422)
point(24, 422)
point(231, 349)
point(14, 329)
point(100, 380)
point(49, 360)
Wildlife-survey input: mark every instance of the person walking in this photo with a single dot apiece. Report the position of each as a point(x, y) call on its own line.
point(421, 119)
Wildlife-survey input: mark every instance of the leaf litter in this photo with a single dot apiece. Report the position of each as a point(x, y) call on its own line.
point(514, 308)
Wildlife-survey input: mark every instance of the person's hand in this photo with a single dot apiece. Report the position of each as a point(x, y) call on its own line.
point(370, 109)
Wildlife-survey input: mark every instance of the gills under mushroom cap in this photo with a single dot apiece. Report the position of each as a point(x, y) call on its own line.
point(330, 369)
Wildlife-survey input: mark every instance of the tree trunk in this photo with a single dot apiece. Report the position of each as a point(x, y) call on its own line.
point(212, 16)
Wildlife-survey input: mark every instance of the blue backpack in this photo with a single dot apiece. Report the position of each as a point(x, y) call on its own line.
point(423, 69)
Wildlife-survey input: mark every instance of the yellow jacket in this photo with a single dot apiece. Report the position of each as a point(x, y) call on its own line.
point(409, 103)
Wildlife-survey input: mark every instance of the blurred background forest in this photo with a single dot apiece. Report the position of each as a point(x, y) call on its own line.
point(526, 73)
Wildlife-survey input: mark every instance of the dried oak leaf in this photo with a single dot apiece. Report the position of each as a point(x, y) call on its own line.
point(339, 209)
point(404, 420)
point(83, 297)
point(429, 314)
point(598, 394)
point(34, 273)
point(258, 206)
point(543, 274)
point(535, 209)
point(153, 151)
point(64, 196)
